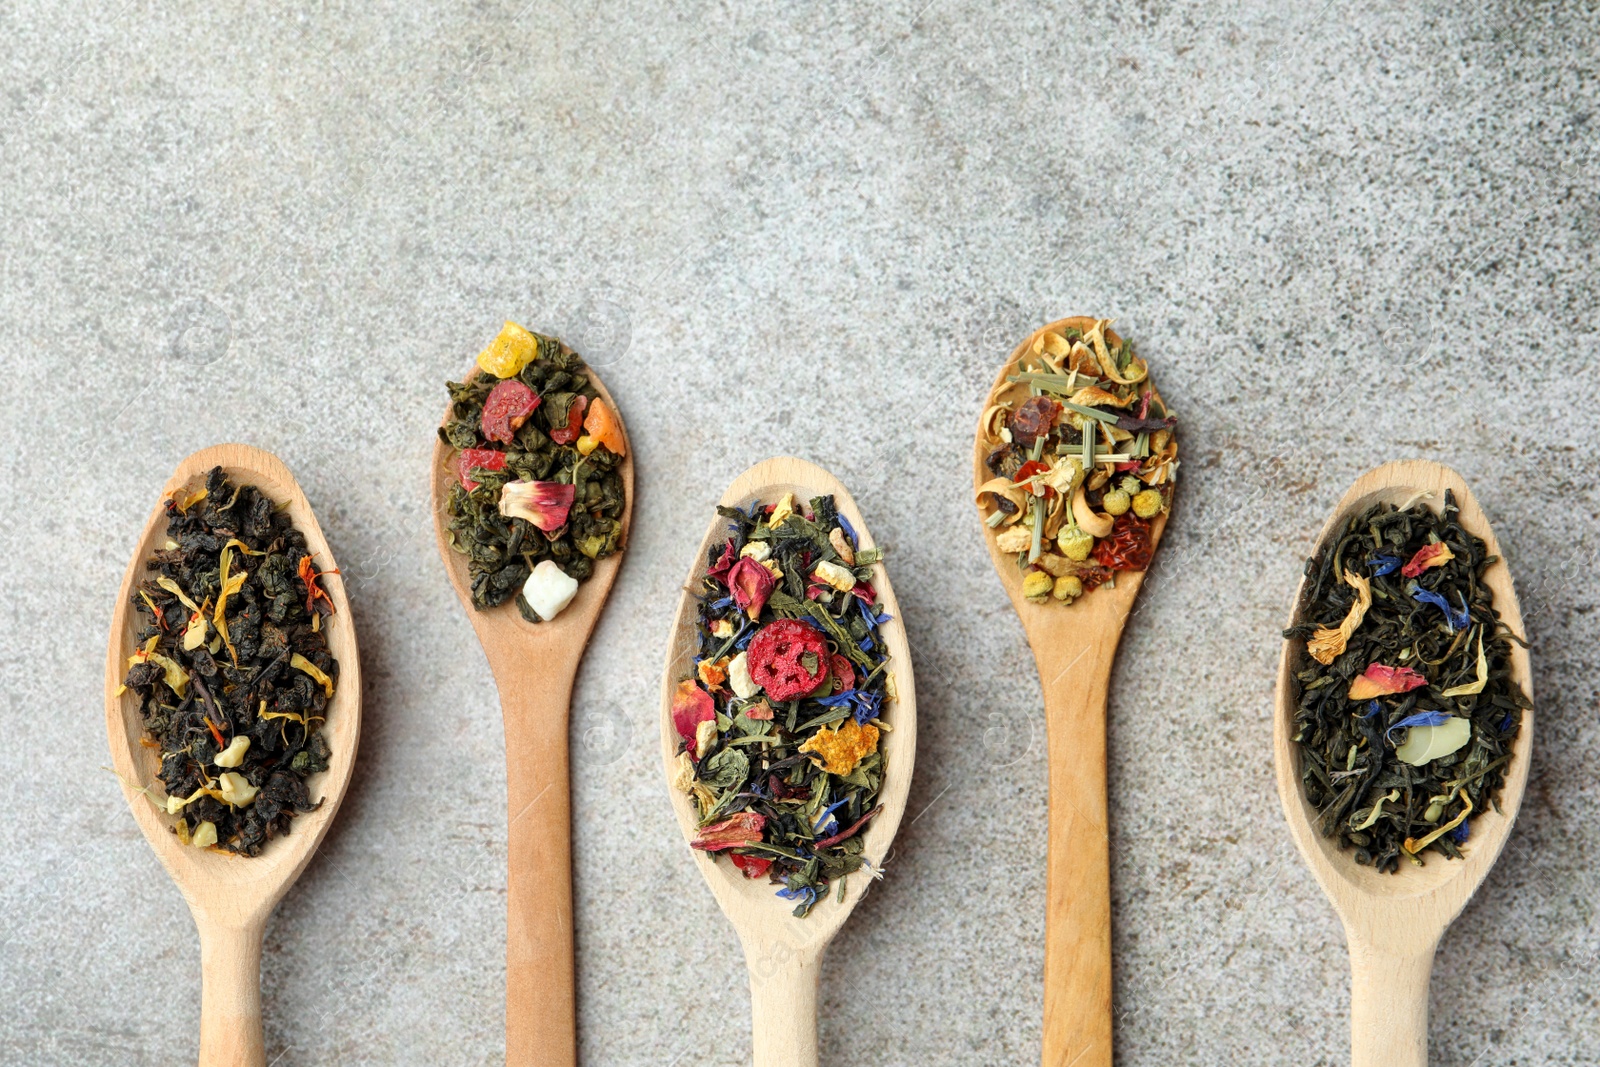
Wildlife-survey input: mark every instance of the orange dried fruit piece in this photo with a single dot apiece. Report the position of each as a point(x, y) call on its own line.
point(842, 747)
point(601, 426)
point(511, 350)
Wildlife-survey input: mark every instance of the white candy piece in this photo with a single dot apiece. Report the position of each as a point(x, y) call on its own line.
point(235, 788)
point(233, 755)
point(549, 589)
point(756, 550)
point(744, 686)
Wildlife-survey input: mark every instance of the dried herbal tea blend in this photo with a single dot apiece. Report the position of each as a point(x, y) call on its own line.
point(1083, 457)
point(538, 495)
point(1406, 706)
point(780, 724)
point(233, 671)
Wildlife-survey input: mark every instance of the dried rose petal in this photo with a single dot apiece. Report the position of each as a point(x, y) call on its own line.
point(1380, 681)
point(751, 584)
point(724, 563)
point(1436, 554)
point(545, 504)
point(741, 829)
point(691, 706)
point(752, 866)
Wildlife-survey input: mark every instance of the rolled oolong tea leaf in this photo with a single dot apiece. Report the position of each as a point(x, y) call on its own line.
point(1083, 457)
point(779, 725)
point(536, 471)
point(1406, 711)
point(232, 669)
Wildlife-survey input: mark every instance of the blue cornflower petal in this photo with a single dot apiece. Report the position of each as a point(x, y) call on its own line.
point(804, 893)
point(718, 605)
point(849, 531)
point(1453, 619)
point(1421, 718)
point(865, 644)
point(827, 813)
point(1505, 723)
point(1384, 565)
point(1373, 707)
point(1459, 834)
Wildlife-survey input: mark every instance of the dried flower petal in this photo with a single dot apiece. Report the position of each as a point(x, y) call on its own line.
point(750, 583)
point(1454, 619)
point(1327, 645)
point(742, 829)
point(545, 504)
point(842, 747)
point(691, 706)
point(1380, 681)
point(1435, 554)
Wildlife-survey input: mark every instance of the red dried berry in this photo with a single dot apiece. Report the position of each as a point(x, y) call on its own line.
point(483, 458)
point(1033, 419)
point(505, 410)
point(844, 675)
point(1128, 547)
point(777, 657)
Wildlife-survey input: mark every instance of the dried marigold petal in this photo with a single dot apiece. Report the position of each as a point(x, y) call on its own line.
point(842, 747)
point(1327, 645)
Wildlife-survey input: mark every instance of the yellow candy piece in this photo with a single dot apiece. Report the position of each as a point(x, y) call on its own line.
point(587, 444)
point(509, 352)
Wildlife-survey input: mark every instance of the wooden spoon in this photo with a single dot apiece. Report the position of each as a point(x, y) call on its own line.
point(783, 953)
point(534, 666)
point(1073, 647)
point(231, 896)
point(1393, 921)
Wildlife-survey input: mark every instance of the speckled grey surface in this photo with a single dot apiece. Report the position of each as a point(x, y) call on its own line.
point(1340, 235)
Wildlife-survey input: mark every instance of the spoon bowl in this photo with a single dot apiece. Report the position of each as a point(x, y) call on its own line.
point(231, 896)
point(1393, 921)
point(784, 953)
point(1074, 647)
point(534, 666)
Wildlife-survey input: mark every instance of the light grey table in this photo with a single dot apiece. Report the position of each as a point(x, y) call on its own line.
point(1340, 235)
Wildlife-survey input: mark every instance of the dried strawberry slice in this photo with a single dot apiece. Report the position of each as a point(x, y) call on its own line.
point(505, 410)
point(483, 458)
point(567, 434)
point(752, 866)
point(778, 659)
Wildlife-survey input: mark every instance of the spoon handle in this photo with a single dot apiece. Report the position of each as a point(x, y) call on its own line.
point(541, 1004)
point(1077, 930)
point(230, 994)
point(1389, 1005)
point(783, 1004)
